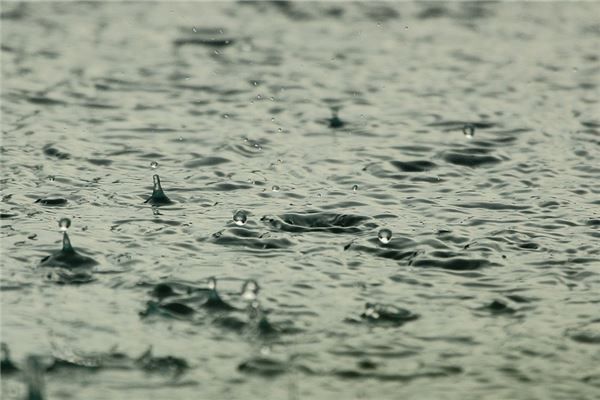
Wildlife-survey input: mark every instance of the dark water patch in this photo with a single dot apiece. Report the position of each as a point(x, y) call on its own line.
point(453, 264)
point(459, 125)
point(203, 41)
point(250, 239)
point(433, 11)
point(205, 161)
point(103, 162)
point(52, 202)
point(439, 372)
point(414, 166)
point(586, 334)
point(314, 221)
point(6, 215)
point(470, 160)
point(162, 365)
point(498, 307)
point(45, 101)
point(493, 206)
point(7, 366)
point(263, 366)
point(52, 151)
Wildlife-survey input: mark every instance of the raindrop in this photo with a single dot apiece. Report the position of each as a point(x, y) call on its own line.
point(225, 116)
point(153, 165)
point(194, 29)
point(354, 188)
point(240, 218)
point(64, 224)
point(212, 283)
point(385, 235)
point(250, 290)
point(469, 130)
point(275, 188)
point(279, 130)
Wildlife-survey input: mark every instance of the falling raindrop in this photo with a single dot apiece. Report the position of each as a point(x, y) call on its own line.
point(250, 290)
point(64, 224)
point(212, 283)
point(469, 130)
point(385, 235)
point(240, 218)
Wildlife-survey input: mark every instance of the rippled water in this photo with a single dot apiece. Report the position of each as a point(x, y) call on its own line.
point(319, 126)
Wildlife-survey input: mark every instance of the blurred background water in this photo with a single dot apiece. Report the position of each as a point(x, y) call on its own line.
point(324, 128)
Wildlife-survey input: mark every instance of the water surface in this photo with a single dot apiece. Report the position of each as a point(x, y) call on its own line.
point(323, 124)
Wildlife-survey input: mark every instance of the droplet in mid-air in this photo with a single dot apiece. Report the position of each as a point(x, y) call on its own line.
point(469, 131)
point(275, 188)
point(153, 165)
point(385, 235)
point(354, 188)
point(64, 224)
point(250, 290)
point(212, 283)
point(240, 218)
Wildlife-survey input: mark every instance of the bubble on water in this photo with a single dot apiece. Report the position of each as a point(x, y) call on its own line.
point(240, 218)
point(250, 290)
point(275, 188)
point(258, 96)
point(354, 188)
point(385, 235)
point(64, 224)
point(469, 130)
point(272, 119)
point(279, 130)
point(153, 165)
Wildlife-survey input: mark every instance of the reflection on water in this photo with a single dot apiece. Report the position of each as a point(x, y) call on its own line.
point(358, 199)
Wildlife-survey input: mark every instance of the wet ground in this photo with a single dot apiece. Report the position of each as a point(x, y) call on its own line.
point(291, 141)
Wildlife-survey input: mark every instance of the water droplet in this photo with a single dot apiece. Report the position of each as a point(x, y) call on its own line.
point(265, 351)
point(385, 235)
point(354, 188)
point(250, 290)
point(258, 96)
point(240, 218)
point(153, 165)
point(225, 116)
point(212, 283)
point(64, 224)
point(371, 311)
point(279, 130)
point(469, 130)
point(194, 29)
point(275, 188)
